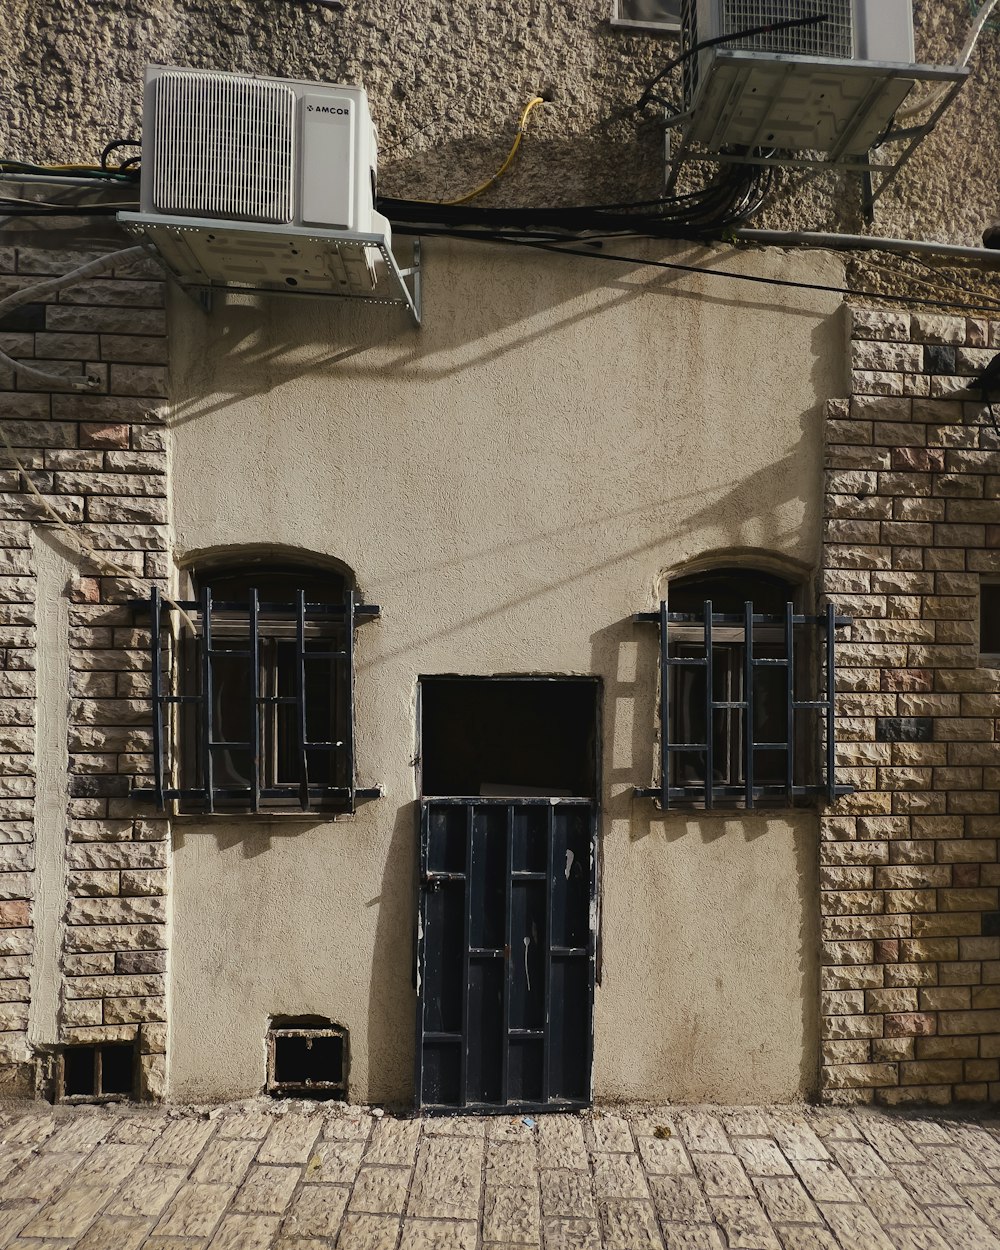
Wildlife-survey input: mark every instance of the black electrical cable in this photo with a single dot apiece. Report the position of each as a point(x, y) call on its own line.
point(476, 236)
point(113, 146)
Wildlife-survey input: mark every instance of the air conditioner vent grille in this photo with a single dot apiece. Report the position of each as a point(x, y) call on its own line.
point(832, 38)
point(225, 147)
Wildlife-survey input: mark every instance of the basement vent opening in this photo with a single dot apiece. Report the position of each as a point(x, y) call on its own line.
point(103, 1072)
point(307, 1058)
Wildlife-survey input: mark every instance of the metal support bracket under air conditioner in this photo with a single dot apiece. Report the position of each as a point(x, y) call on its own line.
point(205, 255)
point(755, 108)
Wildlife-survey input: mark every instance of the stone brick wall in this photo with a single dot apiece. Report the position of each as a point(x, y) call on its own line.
point(909, 871)
point(99, 461)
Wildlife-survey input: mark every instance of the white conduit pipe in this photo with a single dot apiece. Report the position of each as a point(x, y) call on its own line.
point(986, 257)
point(40, 290)
point(921, 106)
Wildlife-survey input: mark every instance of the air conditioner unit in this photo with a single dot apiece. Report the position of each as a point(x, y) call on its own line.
point(829, 87)
point(263, 183)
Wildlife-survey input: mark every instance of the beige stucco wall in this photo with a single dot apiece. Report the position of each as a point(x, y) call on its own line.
point(509, 483)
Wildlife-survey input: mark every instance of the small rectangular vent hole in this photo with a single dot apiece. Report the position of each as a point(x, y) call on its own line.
point(101, 1072)
point(307, 1061)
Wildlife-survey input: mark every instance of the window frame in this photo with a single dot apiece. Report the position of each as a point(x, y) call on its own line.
point(749, 792)
point(189, 718)
point(648, 26)
point(987, 659)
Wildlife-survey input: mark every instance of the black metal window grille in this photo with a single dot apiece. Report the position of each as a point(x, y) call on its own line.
point(735, 730)
point(253, 703)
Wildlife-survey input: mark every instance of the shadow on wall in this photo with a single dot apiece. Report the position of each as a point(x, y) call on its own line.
point(253, 345)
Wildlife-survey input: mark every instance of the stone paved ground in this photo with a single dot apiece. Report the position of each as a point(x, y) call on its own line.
point(293, 1176)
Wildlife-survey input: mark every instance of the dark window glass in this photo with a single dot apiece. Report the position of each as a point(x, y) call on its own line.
point(729, 590)
point(989, 618)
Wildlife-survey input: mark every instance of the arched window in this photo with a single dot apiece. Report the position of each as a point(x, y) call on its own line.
point(253, 689)
point(746, 704)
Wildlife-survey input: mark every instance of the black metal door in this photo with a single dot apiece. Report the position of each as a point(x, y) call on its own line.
point(506, 949)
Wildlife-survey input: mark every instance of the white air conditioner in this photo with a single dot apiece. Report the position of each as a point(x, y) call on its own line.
point(264, 183)
point(831, 87)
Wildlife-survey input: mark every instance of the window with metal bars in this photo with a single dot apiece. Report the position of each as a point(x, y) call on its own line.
point(253, 693)
point(746, 695)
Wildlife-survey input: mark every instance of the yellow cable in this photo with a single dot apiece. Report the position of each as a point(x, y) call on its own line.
point(522, 127)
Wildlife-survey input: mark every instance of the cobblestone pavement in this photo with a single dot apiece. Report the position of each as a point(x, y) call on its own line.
point(301, 1176)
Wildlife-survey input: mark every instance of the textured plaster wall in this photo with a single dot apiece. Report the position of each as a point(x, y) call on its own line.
point(509, 483)
point(447, 83)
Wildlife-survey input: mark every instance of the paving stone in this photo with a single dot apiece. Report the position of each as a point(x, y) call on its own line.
point(825, 1181)
point(268, 1188)
point(722, 1176)
point(665, 1157)
point(79, 1134)
point(70, 1215)
point(567, 1193)
point(747, 1124)
point(761, 1157)
point(744, 1224)
point(561, 1143)
point(629, 1225)
point(786, 1201)
point(447, 1180)
point(570, 1234)
point(926, 1185)
point(316, 1211)
point(380, 1191)
point(835, 1124)
point(887, 1196)
point(350, 1127)
point(618, 1176)
point(798, 1141)
point(985, 1201)
point(290, 1139)
point(693, 1237)
point(245, 1125)
point(962, 1229)
point(925, 1132)
point(195, 1210)
point(438, 1235)
point(334, 1162)
point(858, 1159)
point(368, 1232)
point(678, 1199)
point(955, 1165)
point(611, 1132)
point(109, 1164)
point(704, 1133)
point(156, 1242)
point(854, 1225)
point(245, 1232)
point(148, 1191)
point(511, 1162)
point(112, 1232)
point(918, 1239)
point(31, 1130)
point(511, 1215)
point(226, 1161)
point(464, 1126)
point(891, 1143)
point(394, 1141)
point(41, 1177)
point(181, 1142)
point(794, 1237)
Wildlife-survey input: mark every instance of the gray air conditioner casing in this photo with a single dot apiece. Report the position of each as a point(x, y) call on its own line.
point(265, 184)
point(807, 87)
point(269, 150)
